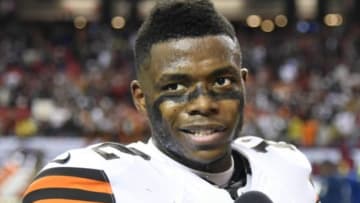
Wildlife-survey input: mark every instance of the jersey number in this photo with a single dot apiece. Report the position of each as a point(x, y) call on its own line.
point(261, 147)
point(111, 151)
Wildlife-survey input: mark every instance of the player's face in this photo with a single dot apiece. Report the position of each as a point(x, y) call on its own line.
point(192, 92)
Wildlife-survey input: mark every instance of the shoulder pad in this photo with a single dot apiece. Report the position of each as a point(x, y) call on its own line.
point(98, 156)
point(74, 173)
point(275, 165)
point(281, 151)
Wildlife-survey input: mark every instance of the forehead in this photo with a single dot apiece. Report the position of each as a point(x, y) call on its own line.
point(189, 52)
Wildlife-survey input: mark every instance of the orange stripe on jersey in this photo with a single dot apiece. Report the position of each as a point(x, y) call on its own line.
point(69, 182)
point(62, 201)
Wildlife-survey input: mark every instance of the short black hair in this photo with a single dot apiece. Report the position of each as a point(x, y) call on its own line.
point(175, 19)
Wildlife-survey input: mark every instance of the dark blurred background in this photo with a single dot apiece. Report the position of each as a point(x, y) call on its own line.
point(65, 68)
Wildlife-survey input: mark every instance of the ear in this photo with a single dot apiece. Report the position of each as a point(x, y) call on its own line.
point(244, 73)
point(138, 96)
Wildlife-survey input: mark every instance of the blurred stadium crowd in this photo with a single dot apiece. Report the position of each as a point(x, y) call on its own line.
point(55, 80)
point(304, 88)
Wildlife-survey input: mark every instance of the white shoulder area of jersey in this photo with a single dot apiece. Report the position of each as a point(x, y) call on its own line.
point(99, 156)
point(275, 165)
point(280, 152)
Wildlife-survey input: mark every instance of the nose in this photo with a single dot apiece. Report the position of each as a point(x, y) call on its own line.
point(202, 105)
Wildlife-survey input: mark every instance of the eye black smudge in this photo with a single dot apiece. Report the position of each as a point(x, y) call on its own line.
point(217, 96)
point(157, 121)
point(161, 131)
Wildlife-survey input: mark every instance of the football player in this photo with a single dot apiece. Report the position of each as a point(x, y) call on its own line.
point(190, 85)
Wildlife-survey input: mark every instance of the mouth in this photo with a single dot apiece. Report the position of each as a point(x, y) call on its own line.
point(208, 134)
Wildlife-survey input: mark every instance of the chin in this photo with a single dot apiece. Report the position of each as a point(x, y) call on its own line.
point(208, 156)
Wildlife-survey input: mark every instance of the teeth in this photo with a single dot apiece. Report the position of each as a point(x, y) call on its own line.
point(200, 132)
point(203, 133)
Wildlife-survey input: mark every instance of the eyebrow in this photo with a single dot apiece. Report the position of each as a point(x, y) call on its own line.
point(169, 77)
point(173, 77)
point(225, 70)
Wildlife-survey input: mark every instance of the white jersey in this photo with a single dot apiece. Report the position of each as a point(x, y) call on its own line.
point(136, 173)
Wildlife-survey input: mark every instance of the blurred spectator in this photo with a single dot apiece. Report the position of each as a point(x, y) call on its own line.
point(335, 187)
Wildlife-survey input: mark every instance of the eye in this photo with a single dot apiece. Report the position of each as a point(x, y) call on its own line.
point(173, 87)
point(223, 82)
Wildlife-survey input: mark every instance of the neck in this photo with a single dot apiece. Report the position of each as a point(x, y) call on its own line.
point(220, 179)
point(216, 166)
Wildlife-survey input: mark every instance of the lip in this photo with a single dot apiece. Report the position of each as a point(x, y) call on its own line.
point(204, 133)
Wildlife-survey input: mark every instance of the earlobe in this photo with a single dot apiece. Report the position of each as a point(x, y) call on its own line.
point(244, 74)
point(138, 96)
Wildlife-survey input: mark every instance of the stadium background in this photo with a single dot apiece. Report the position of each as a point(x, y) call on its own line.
point(65, 68)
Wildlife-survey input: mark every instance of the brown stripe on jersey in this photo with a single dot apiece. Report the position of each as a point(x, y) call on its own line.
point(46, 195)
point(69, 182)
point(73, 183)
point(77, 172)
point(63, 201)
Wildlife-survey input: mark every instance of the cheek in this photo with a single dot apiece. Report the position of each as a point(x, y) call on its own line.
point(170, 110)
point(230, 110)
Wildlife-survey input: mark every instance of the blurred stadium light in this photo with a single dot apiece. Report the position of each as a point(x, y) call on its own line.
point(282, 12)
point(61, 10)
point(235, 10)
